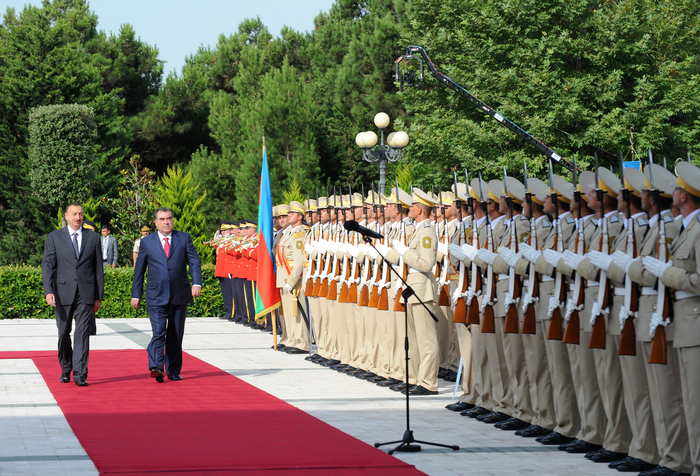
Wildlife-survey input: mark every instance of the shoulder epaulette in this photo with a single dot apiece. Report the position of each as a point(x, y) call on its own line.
point(298, 234)
point(427, 225)
point(641, 221)
point(546, 224)
point(523, 217)
point(570, 220)
point(668, 218)
point(614, 219)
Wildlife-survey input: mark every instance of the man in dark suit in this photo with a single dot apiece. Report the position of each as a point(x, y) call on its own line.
point(166, 254)
point(74, 286)
point(109, 248)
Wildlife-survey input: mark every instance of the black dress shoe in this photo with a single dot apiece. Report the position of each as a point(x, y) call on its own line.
point(347, 368)
point(579, 447)
point(65, 377)
point(495, 418)
point(279, 347)
point(295, 351)
point(459, 406)
point(451, 376)
point(398, 387)
point(355, 373)
point(388, 382)
point(419, 390)
point(313, 357)
point(339, 367)
point(174, 377)
point(157, 374)
point(631, 465)
point(662, 471)
point(513, 424)
point(365, 376)
point(554, 438)
point(475, 412)
point(533, 431)
point(377, 379)
point(604, 456)
point(81, 381)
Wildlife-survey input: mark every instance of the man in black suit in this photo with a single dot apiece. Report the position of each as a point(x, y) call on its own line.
point(166, 254)
point(74, 286)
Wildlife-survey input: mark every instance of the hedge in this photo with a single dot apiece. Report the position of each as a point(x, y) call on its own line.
point(22, 295)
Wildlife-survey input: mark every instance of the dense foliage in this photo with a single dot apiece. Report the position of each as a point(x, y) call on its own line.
point(22, 295)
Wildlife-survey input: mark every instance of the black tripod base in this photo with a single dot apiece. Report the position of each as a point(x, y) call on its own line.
point(406, 444)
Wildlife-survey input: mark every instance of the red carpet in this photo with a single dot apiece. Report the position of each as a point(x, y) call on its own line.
point(210, 423)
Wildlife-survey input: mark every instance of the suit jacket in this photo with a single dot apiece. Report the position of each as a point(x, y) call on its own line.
point(112, 248)
point(168, 282)
point(63, 273)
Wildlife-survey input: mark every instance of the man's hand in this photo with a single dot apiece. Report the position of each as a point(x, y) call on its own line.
point(51, 300)
point(135, 303)
point(98, 303)
point(196, 291)
point(114, 266)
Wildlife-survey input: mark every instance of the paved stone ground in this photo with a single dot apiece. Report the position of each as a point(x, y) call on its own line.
point(35, 438)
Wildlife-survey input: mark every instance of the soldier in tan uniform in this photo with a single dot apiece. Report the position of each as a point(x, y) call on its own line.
point(420, 256)
point(682, 274)
point(663, 381)
point(291, 259)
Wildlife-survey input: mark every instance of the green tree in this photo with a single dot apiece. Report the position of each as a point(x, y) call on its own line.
point(133, 207)
point(62, 138)
point(176, 191)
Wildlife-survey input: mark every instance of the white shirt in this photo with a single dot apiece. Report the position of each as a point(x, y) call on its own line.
point(689, 218)
point(80, 236)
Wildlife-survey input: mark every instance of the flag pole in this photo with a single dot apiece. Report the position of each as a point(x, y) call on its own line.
point(273, 316)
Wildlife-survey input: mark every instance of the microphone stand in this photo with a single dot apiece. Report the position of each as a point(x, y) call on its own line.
point(406, 444)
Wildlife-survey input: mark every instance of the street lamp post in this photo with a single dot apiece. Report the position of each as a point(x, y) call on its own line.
point(382, 152)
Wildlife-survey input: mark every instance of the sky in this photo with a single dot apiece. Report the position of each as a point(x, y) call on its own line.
point(179, 27)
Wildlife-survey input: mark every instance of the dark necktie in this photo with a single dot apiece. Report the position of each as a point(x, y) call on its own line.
point(75, 244)
point(166, 247)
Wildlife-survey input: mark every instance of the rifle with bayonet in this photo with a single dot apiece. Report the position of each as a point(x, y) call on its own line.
point(344, 282)
point(366, 281)
point(335, 273)
point(460, 306)
point(476, 281)
point(597, 340)
point(382, 286)
point(398, 305)
point(510, 325)
point(533, 286)
point(444, 299)
point(555, 330)
point(575, 303)
point(309, 288)
point(658, 353)
point(321, 284)
point(628, 339)
point(356, 271)
point(488, 324)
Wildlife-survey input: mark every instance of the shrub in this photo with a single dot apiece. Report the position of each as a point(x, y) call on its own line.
point(22, 295)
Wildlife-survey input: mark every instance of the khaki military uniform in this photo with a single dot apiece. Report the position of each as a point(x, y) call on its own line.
point(291, 259)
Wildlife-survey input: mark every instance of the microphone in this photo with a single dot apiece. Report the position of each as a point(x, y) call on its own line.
point(352, 225)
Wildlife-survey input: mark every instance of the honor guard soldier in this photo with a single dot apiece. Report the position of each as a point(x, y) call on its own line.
point(291, 259)
point(419, 256)
point(282, 216)
point(682, 275)
point(223, 268)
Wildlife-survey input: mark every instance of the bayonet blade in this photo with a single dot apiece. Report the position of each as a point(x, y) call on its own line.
point(622, 172)
point(527, 190)
point(651, 171)
point(505, 182)
point(481, 189)
point(595, 156)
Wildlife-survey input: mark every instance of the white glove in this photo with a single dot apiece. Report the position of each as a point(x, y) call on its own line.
point(487, 256)
point(382, 249)
point(509, 256)
point(456, 252)
point(529, 253)
point(442, 248)
point(470, 251)
point(656, 267)
point(595, 312)
point(623, 260)
point(320, 246)
point(572, 259)
point(400, 247)
point(600, 260)
point(656, 321)
point(455, 297)
point(331, 247)
point(552, 305)
point(353, 250)
point(287, 288)
point(371, 252)
point(552, 257)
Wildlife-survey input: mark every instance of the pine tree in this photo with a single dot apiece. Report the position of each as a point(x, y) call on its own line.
point(176, 191)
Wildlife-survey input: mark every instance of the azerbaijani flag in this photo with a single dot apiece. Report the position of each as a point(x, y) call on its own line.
point(267, 295)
